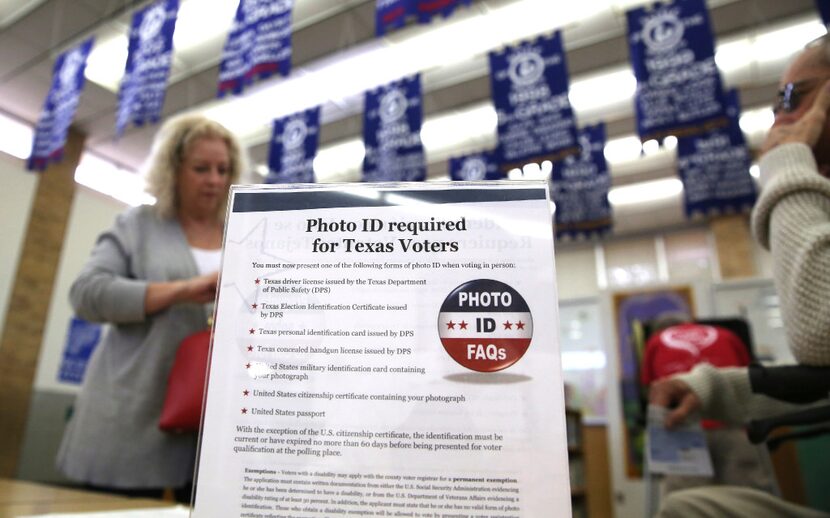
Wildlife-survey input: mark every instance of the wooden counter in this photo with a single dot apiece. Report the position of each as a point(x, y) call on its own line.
point(18, 498)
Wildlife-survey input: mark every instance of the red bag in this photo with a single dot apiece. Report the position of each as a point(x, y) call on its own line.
point(182, 411)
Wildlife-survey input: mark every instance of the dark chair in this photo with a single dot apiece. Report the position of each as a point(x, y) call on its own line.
point(799, 384)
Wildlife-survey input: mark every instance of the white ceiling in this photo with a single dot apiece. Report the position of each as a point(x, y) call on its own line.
point(34, 32)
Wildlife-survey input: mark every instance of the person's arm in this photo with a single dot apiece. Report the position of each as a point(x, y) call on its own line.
point(792, 220)
point(724, 394)
point(161, 295)
point(106, 290)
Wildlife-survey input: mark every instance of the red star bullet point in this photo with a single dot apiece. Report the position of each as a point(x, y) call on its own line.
point(250, 348)
point(251, 330)
point(463, 325)
point(508, 325)
point(248, 365)
point(450, 325)
point(244, 410)
point(520, 325)
point(256, 281)
point(254, 305)
point(245, 392)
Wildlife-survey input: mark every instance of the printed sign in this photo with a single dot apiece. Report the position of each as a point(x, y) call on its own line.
point(392, 133)
point(81, 340)
point(475, 167)
point(59, 107)
point(293, 147)
point(530, 91)
point(392, 346)
point(258, 45)
point(672, 52)
point(579, 188)
point(150, 55)
point(715, 166)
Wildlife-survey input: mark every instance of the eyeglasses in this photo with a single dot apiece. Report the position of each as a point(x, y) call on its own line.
point(791, 95)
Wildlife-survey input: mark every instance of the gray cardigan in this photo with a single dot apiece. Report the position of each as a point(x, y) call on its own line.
point(792, 220)
point(113, 438)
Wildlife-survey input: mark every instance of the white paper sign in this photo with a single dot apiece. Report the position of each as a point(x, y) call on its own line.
point(386, 350)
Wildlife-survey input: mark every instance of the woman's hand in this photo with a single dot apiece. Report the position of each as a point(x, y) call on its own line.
point(201, 289)
point(806, 129)
point(198, 290)
point(675, 395)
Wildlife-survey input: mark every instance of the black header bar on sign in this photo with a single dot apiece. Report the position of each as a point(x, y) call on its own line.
point(271, 201)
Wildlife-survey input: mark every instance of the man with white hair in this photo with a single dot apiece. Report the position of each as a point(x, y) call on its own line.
point(792, 220)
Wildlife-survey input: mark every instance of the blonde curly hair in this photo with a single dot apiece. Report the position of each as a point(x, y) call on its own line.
point(169, 149)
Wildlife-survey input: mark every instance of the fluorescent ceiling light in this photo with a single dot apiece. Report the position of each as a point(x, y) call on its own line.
point(783, 42)
point(756, 121)
point(644, 192)
point(623, 149)
point(334, 162)
point(600, 90)
point(105, 177)
point(200, 22)
point(17, 137)
point(107, 61)
point(444, 133)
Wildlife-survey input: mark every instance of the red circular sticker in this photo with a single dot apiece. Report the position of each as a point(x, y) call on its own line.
point(485, 325)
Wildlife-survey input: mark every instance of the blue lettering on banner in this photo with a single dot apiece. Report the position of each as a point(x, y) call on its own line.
point(679, 89)
point(81, 340)
point(293, 147)
point(475, 167)
point(530, 91)
point(392, 133)
point(714, 168)
point(258, 45)
point(579, 187)
point(59, 107)
point(141, 96)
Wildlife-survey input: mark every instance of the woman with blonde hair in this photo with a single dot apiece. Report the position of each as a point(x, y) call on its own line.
point(150, 277)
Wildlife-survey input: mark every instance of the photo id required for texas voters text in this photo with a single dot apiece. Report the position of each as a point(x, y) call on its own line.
point(386, 350)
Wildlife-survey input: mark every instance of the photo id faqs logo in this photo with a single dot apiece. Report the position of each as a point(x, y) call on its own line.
point(662, 31)
point(294, 134)
point(485, 325)
point(526, 68)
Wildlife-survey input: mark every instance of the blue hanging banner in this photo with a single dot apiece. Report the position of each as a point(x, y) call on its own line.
point(141, 96)
point(59, 107)
point(579, 187)
point(530, 91)
point(679, 89)
point(824, 10)
point(258, 45)
point(474, 167)
point(715, 166)
point(81, 340)
point(392, 133)
point(392, 14)
point(293, 147)
point(427, 9)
